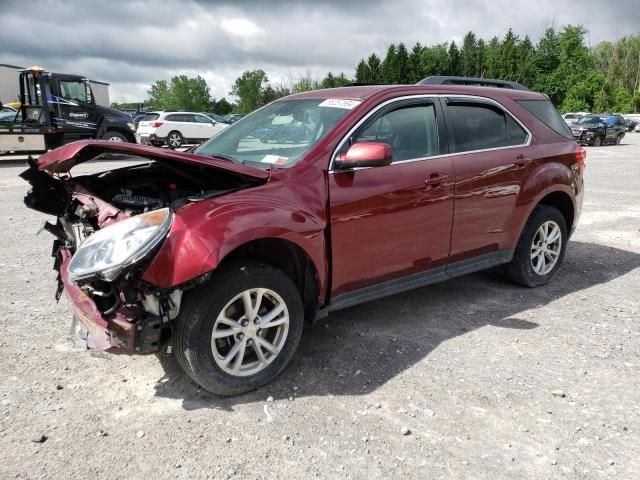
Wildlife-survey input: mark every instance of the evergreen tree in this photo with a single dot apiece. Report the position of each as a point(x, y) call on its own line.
point(374, 66)
point(469, 56)
point(389, 66)
point(414, 64)
point(362, 72)
point(454, 59)
point(402, 64)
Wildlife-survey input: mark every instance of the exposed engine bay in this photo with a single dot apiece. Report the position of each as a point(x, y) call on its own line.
point(150, 186)
point(87, 203)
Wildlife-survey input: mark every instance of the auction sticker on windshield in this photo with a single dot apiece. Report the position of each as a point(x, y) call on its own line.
point(275, 159)
point(340, 103)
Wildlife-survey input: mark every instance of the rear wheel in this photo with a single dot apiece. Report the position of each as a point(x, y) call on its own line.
point(174, 139)
point(240, 330)
point(114, 137)
point(541, 248)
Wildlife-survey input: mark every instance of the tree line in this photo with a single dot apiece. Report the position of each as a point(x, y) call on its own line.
point(561, 64)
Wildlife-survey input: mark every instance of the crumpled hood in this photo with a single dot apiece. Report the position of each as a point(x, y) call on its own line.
point(64, 158)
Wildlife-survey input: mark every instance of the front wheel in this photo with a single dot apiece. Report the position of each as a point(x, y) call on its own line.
point(114, 137)
point(239, 330)
point(618, 139)
point(541, 248)
point(597, 141)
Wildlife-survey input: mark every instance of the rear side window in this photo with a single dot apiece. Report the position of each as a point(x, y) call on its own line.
point(479, 126)
point(544, 111)
point(176, 117)
point(150, 116)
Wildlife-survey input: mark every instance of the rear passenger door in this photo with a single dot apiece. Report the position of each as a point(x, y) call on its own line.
point(491, 159)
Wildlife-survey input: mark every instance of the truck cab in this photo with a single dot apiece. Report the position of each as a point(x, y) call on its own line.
point(56, 109)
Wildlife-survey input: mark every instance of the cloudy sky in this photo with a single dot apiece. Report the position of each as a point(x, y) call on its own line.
point(131, 43)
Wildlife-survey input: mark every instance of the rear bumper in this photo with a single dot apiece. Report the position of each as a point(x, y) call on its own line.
point(125, 331)
point(149, 138)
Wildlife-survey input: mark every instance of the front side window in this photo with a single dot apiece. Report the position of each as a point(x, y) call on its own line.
point(75, 91)
point(279, 134)
point(201, 119)
point(479, 126)
point(410, 130)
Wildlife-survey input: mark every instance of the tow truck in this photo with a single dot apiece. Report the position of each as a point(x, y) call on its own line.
point(56, 109)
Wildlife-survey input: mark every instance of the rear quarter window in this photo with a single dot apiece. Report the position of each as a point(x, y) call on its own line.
point(544, 111)
point(150, 116)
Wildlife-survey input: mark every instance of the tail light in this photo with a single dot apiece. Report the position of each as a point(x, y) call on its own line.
point(156, 124)
point(581, 155)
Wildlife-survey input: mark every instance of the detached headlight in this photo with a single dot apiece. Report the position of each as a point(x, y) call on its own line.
point(108, 251)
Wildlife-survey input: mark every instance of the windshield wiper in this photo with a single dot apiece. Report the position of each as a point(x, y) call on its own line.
point(224, 157)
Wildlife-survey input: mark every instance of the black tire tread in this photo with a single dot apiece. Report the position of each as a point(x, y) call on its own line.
point(221, 285)
point(519, 269)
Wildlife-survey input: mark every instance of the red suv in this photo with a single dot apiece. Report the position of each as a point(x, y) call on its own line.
point(316, 202)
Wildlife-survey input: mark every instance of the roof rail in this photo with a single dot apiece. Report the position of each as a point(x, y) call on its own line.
point(447, 80)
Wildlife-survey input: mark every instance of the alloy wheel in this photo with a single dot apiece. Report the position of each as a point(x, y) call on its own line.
point(250, 332)
point(546, 247)
point(174, 140)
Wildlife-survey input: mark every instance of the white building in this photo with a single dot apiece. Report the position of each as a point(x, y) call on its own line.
point(9, 88)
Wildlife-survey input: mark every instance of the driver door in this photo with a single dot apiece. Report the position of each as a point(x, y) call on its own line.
point(75, 112)
point(393, 221)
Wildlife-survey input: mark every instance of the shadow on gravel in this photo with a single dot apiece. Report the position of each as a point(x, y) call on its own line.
point(358, 349)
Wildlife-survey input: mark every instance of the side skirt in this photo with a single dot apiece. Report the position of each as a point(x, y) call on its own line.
point(416, 280)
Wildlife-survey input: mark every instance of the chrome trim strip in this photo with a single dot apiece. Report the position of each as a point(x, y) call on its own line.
point(427, 96)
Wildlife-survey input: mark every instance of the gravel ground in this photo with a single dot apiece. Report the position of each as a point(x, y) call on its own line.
point(471, 378)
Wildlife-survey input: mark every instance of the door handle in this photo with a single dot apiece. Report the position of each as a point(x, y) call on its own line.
point(435, 179)
point(522, 161)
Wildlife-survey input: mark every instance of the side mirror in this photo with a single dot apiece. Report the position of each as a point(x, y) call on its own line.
point(365, 154)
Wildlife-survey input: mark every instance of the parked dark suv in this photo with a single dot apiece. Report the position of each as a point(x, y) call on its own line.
point(599, 129)
point(221, 254)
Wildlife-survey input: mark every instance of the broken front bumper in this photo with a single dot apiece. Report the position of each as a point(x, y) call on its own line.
point(125, 331)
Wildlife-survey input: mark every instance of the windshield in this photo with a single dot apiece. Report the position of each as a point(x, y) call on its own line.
point(279, 134)
point(589, 120)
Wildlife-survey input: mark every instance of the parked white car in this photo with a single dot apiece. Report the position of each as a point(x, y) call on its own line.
point(176, 128)
point(572, 117)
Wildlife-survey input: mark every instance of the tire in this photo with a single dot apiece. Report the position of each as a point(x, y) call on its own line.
point(174, 139)
point(521, 269)
point(618, 139)
point(114, 137)
point(203, 359)
point(597, 141)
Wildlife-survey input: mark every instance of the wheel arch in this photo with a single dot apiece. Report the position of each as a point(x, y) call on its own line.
point(290, 258)
point(196, 246)
point(558, 196)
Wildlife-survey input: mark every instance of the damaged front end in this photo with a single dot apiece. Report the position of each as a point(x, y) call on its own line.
point(109, 227)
